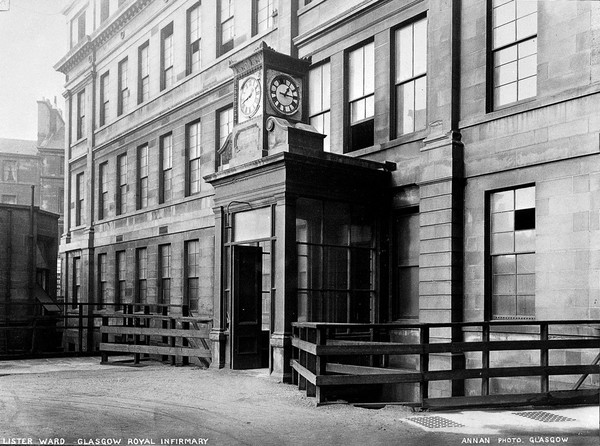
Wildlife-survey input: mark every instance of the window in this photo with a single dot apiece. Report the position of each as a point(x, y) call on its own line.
point(166, 168)
point(165, 274)
point(104, 10)
point(336, 255)
point(80, 194)
point(80, 114)
point(102, 290)
point(121, 269)
point(193, 157)
point(194, 51)
point(142, 186)
point(224, 128)
point(411, 77)
point(9, 199)
point(514, 50)
point(61, 166)
point(122, 181)
point(9, 171)
point(143, 73)
point(361, 76)
point(319, 80)
point(42, 278)
point(104, 98)
point(512, 252)
point(264, 13)
point(226, 25)
point(78, 29)
point(76, 282)
point(406, 238)
point(142, 275)
point(166, 60)
point(103, 192)
point(123, 100)
point(192, 268)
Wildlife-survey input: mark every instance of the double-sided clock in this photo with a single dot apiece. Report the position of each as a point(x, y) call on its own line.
point(284, 94)
point(250, 96)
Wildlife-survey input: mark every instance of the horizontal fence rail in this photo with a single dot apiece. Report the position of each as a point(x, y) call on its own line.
point(332, 356)
point(175, 337)
point(37, 329)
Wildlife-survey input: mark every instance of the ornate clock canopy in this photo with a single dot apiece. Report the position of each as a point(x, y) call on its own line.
point(267, 84)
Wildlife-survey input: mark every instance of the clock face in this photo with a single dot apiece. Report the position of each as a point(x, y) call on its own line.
point(284, 94)
point(249, 97)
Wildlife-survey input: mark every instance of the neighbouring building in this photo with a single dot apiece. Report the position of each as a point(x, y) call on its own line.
point(41, 163)
point(344, 160)
point(38, 163)
point(29, 241)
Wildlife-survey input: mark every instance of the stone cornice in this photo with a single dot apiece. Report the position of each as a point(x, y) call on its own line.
point(99, 37)
point(345, 17)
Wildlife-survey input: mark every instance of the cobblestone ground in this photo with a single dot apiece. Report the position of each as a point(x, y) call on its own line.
point(158, 404)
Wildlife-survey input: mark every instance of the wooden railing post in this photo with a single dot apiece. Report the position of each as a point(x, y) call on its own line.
point(544, 378)
point(485, 358)
point(136, 340)
point(80, 327)
point(424, 363)
point(302, 359)
point(146, 323)
point(104, 339)
point(172, 339)
point(185, 326)
point(320, 363)
point(165, 324)
point(294, 356)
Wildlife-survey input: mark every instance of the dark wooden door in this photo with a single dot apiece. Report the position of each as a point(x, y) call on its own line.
point(247, 314)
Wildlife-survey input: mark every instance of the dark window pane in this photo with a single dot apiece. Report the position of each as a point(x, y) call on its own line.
point(524, 219)
point(362, 135)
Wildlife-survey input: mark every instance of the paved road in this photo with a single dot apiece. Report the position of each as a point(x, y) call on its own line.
point(82, 402)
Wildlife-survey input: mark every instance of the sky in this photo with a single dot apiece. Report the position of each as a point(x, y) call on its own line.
point(33, 37)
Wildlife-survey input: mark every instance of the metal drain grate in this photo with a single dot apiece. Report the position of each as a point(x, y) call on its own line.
point(434, 422)
point(546, 417)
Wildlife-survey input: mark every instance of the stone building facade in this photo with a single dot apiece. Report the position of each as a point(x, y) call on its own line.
point(38, 163)
point(458, 179)
point(28, 278)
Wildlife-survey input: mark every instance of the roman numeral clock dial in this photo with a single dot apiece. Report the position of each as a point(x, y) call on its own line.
point(284, 94)
point(250, 96)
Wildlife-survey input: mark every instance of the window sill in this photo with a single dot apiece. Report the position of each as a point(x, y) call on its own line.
point(512, 318)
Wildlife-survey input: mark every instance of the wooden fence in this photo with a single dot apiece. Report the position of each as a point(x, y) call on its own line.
point(108, 328)
point(331, 356)
point(176, 338)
